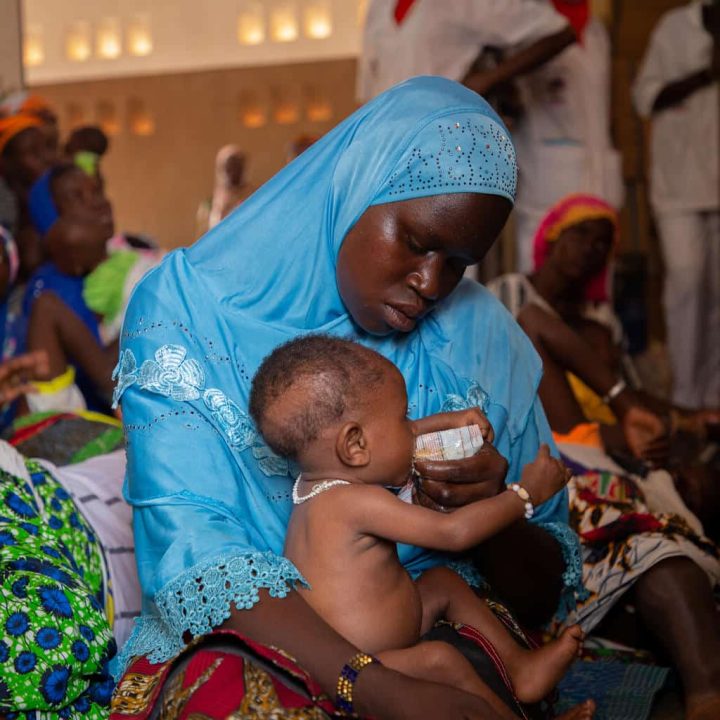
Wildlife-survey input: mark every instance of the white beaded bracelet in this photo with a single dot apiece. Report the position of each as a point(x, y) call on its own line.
point(524, 495)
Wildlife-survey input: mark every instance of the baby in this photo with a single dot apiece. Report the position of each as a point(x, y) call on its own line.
point(340, 410)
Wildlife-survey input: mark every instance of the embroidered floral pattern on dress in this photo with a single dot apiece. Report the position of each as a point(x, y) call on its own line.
point(474, 397)
point(200, 599)
point(171, 375)
point(125, 374)
point(175, 376)
point(234, 422)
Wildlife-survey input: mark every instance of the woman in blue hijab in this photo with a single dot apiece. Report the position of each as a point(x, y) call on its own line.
point(365, 235)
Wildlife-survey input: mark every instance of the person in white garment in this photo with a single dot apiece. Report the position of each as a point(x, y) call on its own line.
point(677, 88)
point(95, 486)
point(405, 38)
point(563, 137)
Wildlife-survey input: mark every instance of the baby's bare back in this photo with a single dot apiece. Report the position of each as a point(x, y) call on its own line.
point(357, 583)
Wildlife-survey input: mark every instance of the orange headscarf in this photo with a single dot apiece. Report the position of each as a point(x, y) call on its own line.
point(35, 105)
point(12, 125)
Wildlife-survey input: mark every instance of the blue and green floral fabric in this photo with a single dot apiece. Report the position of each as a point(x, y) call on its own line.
point(55, 640)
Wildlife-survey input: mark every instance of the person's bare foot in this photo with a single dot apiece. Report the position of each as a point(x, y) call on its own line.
point(703, 707)
point(536, 672)
point(584, 711)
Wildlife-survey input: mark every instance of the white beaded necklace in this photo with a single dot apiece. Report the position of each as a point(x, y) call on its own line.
point(319, 488)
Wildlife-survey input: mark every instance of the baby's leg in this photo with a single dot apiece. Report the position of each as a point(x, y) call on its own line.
point(534, 673)
point(441, 663)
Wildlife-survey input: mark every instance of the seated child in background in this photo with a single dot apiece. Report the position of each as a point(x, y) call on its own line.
point(340, 410)
point(77, 316)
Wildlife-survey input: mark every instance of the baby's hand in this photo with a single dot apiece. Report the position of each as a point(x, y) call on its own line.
point(455, 419)
point(545, 476)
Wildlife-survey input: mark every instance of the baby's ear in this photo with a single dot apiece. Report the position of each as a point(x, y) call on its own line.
point(352, 446)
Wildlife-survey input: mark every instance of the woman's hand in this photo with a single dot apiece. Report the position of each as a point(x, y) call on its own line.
point(701, 423)
point(386, 695)
point(456, 419)
point(16, 374)
point(444, 485)
point(646, 434)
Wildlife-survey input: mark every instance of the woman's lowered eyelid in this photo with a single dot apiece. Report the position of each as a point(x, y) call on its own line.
point(414, 245)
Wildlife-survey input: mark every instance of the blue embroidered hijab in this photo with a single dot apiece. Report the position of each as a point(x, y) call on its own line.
point(211, 500)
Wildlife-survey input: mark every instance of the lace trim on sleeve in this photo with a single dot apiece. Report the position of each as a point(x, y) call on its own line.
point(199, 600)
point(574, 590)
point(469, 573)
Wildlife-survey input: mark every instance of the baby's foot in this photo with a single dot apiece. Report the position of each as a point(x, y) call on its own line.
point(584, 711)
point(537, 672)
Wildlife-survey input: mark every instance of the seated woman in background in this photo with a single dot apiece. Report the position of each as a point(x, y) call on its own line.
point(24, 157)
point(13, 327)
point(76, 300)
point(629, 539)
point(565, 309)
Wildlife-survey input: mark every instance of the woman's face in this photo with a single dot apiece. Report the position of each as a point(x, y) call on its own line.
point(76, 247)
point(582, 250)
point(80, 197)
point(26, 157)
point(401, 259)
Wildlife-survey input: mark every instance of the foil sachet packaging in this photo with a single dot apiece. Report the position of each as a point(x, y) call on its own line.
point(451, 444)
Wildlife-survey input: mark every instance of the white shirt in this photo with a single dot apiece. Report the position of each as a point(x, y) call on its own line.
point(685, 147)
point(444, 37)
point(563, 140)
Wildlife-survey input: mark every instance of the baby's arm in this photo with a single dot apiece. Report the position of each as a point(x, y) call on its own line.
point(374, 511)
point(459, 418)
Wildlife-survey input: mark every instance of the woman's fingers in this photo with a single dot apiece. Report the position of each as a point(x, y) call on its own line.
point(10, 394)
point(477, 417)
point(454, 483)
point(16, 373)
point(486, 465)
point(441, 496)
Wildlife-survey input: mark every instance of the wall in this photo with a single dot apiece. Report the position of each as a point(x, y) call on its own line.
point(185, 35)
point(156, 181)
point(10, 56)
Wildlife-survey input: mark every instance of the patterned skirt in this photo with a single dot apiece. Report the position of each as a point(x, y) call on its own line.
point(54, 595)
point(224, 676)
point(625, 528)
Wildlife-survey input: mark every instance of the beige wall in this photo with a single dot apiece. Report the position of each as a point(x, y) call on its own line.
point(10, 55)
point(187, 35)
point(156, 182)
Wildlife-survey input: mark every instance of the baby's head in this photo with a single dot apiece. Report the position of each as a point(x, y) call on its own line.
point(335, 407)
